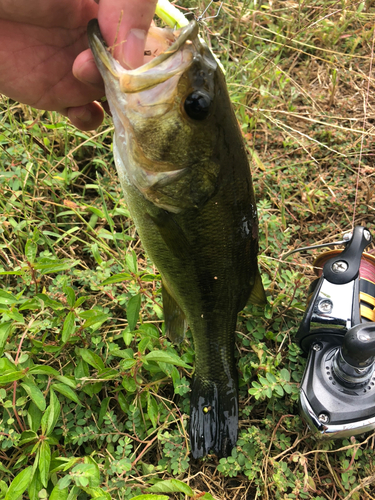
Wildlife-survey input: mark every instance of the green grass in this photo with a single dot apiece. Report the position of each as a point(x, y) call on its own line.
point(94, 396)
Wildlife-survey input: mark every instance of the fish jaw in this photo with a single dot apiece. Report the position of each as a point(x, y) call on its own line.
point(147, 107)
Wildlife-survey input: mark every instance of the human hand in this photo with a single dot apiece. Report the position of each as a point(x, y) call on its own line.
point(39, 41)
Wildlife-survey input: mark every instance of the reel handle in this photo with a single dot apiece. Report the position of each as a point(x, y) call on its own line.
point(358, 348)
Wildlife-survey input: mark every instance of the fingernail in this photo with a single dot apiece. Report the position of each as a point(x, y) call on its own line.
point(133, 51)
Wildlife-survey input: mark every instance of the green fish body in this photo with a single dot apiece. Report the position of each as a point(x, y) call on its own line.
point(186, 178)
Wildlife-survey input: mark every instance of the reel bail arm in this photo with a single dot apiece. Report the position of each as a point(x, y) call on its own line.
point(337, 395)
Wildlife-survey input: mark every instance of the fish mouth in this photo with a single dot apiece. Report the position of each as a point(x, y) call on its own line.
point(158, 70)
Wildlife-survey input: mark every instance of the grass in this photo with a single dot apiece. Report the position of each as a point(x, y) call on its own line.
point(94, 397)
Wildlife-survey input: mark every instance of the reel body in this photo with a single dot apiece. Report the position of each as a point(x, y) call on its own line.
point(337, 395)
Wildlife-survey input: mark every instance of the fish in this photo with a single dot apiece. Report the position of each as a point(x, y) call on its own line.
point(184, 170)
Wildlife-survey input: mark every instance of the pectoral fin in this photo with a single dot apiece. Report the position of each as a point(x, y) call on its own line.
point(172, 235)
point(175, 321)
point(258, 295)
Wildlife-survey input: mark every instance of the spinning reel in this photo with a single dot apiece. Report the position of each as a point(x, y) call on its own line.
point(337, 395)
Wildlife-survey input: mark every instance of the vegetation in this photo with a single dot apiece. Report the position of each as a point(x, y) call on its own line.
point(94, 398)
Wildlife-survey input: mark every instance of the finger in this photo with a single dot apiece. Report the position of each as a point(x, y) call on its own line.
point(124, 24)
point(85, 70)
point(87, 117)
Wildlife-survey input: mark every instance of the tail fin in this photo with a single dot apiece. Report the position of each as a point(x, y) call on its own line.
point(213, 417)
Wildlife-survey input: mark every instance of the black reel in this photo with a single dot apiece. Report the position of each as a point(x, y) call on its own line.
point(337, 395)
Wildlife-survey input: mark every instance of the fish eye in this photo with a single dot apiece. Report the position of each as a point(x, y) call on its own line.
point(197, 105)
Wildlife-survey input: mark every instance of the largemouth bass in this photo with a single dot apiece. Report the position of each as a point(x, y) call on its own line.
point(182, 165)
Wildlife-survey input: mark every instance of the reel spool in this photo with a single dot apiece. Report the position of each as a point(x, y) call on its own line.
point(337, 394)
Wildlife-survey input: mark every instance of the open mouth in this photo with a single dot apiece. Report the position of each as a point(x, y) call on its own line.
point(158, 70)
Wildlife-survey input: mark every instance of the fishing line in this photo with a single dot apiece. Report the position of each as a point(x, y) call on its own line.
point(363, 126)
point(201, 17)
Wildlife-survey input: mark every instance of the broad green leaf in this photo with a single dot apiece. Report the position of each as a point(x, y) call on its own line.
point(284, 374)
point(55, 266)
point(122, 401)
point(96, 320)
point(108, 374)
point(128, 336)
point(117, 278)
point(131, 262)
point(11, 377)
point(103, 410)
point(43, 370)
point(55, 411)
point(80, 301)
point(28, 437)
point(47, 420)
point(59, 463)
point(96, 254)
point(287, 388)
point(68, 328)
point(94, 474)
point(70, 296)
point(91, 358)
point(35, 486)
point(150, 330)
point(31, 249)
point(129, 384)
point(35, 394)
point(81, 370)
point(151, 497)
point(44, 462)
point(128, 363)
point(5, 329)
point(67, 392)
point(87, 472)
point(7, 366)
point(19, 484)
point(92, 389)
point(30, 305)
point(3, 486)
point(67, 381)
point(14, 314)
point(123, 353)
point(95, 211)
point(64, 482)
point(166, 357)
point(152, 410)
point(98, 493)
point(7, 298)
point(132, 310)
point(58, 494)
point(271, 378)
point(53, 304)
point(13, 273)
point(34, 416)
point(171, 486)
point(144, 344)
